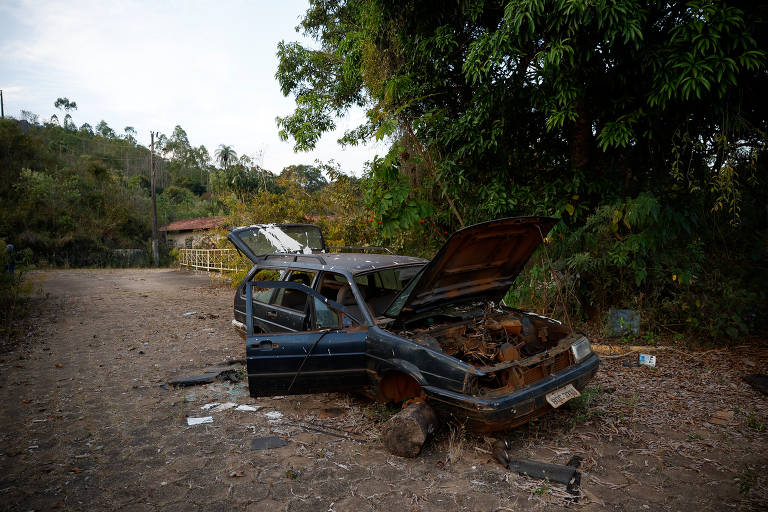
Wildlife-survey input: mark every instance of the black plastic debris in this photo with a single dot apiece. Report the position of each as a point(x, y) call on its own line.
point(545, 471)
point(194, 380)
point(224, 373)
point(266, 443)
point(759, 381)
point(329, 431)
point(567, 474)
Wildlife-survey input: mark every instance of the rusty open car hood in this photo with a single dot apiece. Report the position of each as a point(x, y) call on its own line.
point(477, 262)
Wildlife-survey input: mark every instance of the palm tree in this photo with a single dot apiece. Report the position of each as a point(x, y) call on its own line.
point(225, 155)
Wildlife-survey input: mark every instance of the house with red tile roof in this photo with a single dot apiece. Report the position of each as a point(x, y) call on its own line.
point(191, 233)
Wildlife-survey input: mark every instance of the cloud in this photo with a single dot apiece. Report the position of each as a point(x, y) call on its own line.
point(206, 66)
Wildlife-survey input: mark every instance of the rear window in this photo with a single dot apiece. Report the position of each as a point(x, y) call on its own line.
point(272, 239)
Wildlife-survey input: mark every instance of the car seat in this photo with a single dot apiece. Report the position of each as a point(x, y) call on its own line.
point(346, 298)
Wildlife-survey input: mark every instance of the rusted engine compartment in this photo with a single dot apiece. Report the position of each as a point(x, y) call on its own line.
point(515, 348)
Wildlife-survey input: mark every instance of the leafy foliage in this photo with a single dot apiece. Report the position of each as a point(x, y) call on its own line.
point(640, 124)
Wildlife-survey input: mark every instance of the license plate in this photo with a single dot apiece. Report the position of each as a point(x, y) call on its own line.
point(562, 395)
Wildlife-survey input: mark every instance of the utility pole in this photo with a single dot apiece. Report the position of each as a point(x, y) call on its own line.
point(2, 106)
point(155, 248)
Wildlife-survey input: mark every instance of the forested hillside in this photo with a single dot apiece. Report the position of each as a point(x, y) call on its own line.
point(69, 195)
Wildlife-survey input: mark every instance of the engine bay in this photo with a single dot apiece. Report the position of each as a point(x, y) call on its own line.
point(491, 336)
point(487, 336)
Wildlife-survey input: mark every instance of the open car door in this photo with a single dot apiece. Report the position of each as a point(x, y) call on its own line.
point(261, 239)
point(326, 357)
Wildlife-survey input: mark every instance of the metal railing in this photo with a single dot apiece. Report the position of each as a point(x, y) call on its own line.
point(211, 260)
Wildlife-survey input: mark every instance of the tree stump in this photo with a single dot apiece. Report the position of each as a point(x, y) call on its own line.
point(407, 431)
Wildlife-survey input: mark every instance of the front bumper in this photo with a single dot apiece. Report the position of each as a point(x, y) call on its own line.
point(487, 414)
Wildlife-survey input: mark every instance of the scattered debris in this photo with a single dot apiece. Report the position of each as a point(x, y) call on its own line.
point(250, 408)
point(567, 474)
point(189, 313)
point(721, 418)
point(209, 406)
point(759, 381)
point(223, 407)
point(236, 474)
point(266, 443)
point(193, 380)
point(228, 372)
point(273, 415)
point(199, 421)
point(326, 429)
point(552, 472)
point(647, 360)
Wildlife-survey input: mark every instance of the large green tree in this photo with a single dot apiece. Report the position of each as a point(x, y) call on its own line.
point(639, 123)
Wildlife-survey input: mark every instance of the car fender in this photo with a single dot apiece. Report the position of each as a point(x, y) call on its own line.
point(407, 368)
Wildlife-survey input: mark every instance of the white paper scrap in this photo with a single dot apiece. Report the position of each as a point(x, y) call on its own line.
point(210, 406)
point(223, 407)
point(247, 408)
point(274, 415)
point(198, 421)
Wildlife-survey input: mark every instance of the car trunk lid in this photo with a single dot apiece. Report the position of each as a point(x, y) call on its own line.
point(261, 239)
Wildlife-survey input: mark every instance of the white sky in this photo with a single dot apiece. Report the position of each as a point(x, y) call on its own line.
point(207, 66)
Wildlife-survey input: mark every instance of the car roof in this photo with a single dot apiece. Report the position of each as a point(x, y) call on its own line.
point(355, 263)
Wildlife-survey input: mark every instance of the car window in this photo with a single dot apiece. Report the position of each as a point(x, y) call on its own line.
point(294, 299)
point(330, 284)
point(325, 317)
point(381, 287)
point(337, 288)
point(271, 238)
point(267, 274)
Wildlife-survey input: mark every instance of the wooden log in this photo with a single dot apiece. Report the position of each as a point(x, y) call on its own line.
point(407, 431)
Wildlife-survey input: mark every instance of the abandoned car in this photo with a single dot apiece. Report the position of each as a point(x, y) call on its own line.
point(399, 327)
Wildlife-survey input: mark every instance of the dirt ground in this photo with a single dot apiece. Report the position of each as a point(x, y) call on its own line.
point(88, 423)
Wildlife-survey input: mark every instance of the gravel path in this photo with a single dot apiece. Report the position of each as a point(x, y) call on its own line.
point(87, 424)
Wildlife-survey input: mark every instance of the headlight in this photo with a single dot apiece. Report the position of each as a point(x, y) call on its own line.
point(581, 349)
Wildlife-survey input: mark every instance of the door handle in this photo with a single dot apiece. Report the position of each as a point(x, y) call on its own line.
point(265, 345)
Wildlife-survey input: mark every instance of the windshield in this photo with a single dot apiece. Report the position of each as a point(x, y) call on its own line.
point(397, 305)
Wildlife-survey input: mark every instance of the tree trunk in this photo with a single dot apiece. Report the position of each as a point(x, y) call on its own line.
point(581, 136)
point(407, 431)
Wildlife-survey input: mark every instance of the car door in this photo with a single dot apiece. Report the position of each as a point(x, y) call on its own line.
point(260, 300)
point(325, 357)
